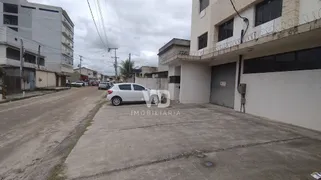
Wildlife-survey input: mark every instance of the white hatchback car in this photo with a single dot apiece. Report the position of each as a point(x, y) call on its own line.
point(131, 92)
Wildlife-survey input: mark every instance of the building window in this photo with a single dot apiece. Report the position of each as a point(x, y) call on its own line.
point(225, 30)
point(204, 4)
point(267, 11)
point(28, 7)
point(9, 19)
point(13, 54)
point(126, 87)
point(41, 61)
point(29, 58)
point(202, 41)
point(14, 28)
point(175, 79)
point(48, 10)
point(10, 8)
point(308, 59)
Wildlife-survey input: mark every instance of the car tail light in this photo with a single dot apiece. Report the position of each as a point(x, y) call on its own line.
point(110, 91)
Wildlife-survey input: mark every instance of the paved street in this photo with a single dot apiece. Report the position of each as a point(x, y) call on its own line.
point(189, 142)
point(36, 133)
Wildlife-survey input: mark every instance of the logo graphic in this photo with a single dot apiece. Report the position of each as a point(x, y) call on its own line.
point(161, 98)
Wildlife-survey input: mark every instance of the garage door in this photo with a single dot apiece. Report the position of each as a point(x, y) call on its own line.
point(223, 85)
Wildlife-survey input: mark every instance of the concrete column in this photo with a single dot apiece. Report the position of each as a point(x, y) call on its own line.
point(195, 83)
point(174, 87)
point(290, 13)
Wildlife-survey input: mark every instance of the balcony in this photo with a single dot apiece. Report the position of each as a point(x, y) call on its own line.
point(68, 54)
point(68, 35)
point(68, 45)
point(269, 38)
point(66, 23)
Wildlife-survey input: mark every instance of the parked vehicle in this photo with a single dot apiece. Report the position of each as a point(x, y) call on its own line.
point(78, 84)
point(105, 85)
point(131, 92)
point(93, 83)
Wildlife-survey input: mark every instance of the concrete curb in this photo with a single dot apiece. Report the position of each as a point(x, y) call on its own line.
point(32, 96)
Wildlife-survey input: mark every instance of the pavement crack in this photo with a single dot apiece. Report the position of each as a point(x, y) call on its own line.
point(165, 124)
point(195, 153)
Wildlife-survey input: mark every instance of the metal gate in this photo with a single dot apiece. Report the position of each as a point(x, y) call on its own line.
point(223, 85)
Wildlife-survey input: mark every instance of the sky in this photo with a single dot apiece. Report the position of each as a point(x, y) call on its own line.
point(139, 27)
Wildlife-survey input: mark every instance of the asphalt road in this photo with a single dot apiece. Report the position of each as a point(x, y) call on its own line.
point(35, 133)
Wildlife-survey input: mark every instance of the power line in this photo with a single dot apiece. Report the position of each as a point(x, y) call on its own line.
point(92, 15)
point(97, 15)
point(244, 19)
point(102, 20)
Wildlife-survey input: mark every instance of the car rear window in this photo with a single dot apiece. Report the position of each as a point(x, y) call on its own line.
point(126, 87)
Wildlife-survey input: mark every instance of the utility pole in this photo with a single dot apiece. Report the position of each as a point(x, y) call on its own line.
point(116, 63)
point(129, 67)
point(129, 59)
point(38, 58)
point(80, 66)
point(21, 66)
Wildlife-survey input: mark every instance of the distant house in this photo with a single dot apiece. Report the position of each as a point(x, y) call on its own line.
point(145, 71)
point(87, 74)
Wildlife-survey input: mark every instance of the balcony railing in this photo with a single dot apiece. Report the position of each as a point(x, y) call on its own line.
point(68, 35)
point(313, 19)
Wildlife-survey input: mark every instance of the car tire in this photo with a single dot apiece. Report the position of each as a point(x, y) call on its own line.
point(116, 101)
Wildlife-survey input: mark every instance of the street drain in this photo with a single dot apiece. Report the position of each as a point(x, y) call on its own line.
point(208, 164)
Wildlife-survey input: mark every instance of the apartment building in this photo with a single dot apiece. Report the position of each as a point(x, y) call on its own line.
point(262, 57)
point(17, 80)
point(48, 26)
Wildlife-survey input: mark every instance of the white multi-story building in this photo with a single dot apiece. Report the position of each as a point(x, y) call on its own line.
point(48, 26)
point(271, 46)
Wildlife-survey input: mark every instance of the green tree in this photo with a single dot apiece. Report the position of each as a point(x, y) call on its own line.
point(126, 69)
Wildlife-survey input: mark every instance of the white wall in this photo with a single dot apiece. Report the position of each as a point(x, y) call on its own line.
point(46, 29)
point(45, 79)
point(200, 25)
point(290, 97)
point(195, 83)
point(153, 83)
point(309, 10)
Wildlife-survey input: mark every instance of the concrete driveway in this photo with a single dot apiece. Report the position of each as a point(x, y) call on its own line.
point(188, 142)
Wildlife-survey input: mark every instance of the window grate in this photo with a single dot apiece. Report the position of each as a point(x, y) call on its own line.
point(202, 41)
point(308, 59)
point(267, 11)
point(225, 30)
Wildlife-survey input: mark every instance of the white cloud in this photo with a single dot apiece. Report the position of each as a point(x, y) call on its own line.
point(139, 27)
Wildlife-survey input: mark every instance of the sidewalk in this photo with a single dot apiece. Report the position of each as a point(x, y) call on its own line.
point(30, 94)
point(190, 142)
